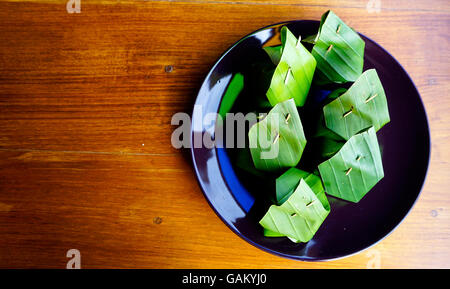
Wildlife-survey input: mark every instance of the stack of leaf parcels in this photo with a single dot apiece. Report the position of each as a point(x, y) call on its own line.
point(352, 117)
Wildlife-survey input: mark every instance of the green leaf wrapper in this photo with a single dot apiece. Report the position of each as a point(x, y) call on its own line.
point(363, 105)
point(355, 169)
point(274, 53)
point(310, 39)
point(298, 218)
point(339, 51)
point(294, 72)
point(277, 141)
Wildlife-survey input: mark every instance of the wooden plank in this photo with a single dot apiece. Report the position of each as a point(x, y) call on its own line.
point(372, 6)
point(81, 93)
point(107, 205)
point(67, 82)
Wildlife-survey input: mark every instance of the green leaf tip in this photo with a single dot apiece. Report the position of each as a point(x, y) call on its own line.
point(274, 52)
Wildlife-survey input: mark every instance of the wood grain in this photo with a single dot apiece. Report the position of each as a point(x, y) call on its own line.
point(85, 109)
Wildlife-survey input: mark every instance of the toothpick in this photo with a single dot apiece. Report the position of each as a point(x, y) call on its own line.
point(287, 76)
point(329, 49)
point(347, 113)
point(338, 28)
point(348, 171)
point(294, 214)
point(276, 138)
point(372, 97)
point(298, 41)
point(310, 203)
point(358, 158)
point(287, 118)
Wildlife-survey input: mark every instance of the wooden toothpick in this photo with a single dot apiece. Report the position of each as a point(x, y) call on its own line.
point(276, 138)
point(348, 113)
point(338, 28)
point(358, 158)
point(329, 49)
point(348, 171)
point(372, 97)
point(286, 79)
point(287, 118)
point(298, 41)
point(310, 203)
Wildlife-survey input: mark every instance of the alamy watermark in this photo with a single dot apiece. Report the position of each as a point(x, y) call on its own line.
point(373, 6)
point(75, 259)
point(374, 256)
point(73, 6)
point(212, 130)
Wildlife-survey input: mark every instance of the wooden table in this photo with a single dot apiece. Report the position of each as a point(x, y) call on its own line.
point(86, 101)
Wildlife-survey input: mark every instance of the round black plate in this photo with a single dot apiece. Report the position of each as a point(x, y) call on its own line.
point(349, 228)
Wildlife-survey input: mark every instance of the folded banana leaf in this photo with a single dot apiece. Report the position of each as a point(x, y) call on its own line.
point(336, 93)
point(324, 141)
point(278, 140)
point(274, 53)
point(287, 182)
point(326, 147)
point(321, 130)
point(268, 233)
point(355, 169)
point(363, 105)
point(294, 72)
point(310, 39)
point(338, 49)
point(298, 218)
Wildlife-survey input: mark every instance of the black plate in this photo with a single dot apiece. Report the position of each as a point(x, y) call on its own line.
point(349, 228)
